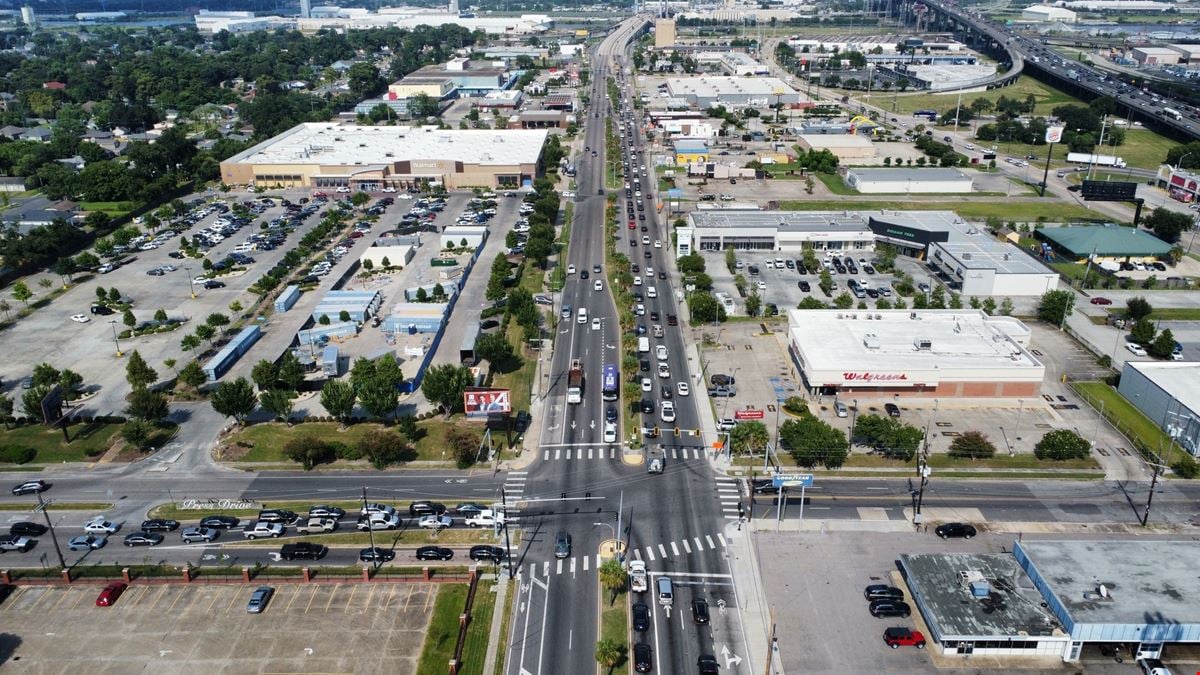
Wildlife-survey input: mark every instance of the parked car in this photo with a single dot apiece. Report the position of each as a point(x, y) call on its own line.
point(889, 608)
point(143, 539)
point(882, 592)
point(108, 596)
point(892, 409)
point(900, 636)
point(434, 553)
point(376, 554)
point(949, 530)
point(1101, 301)
point(259, 599)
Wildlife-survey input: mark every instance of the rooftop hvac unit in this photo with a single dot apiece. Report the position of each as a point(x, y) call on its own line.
point(981, 589)
point(966, 577)
point(966, 256)
point(871, 341)
point(912, 315)
point(878, 317)
point(923, 344)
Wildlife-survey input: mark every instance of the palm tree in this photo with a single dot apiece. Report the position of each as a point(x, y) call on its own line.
point(613, 577)
point(749, 436)
point(608, 653)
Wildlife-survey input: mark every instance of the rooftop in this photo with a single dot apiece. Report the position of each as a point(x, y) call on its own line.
point(714, 85)
point(939, 74)
point(985, 253)
point(1180, 379)
point(952, 339)
point(1105, 240)
point(901, 175)
point(783, 221)
point(1012, 606)
point(331, 144)
point(1148, 581)
point(818, 141)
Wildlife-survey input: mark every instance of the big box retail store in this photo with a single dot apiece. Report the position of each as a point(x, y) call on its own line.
point(922, 353)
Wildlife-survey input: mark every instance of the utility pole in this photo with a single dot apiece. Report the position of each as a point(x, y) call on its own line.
point(54, 538)
point(620, 532)
point(507, 542)
point(1158, 469)
point(770, 643)
point(370, 531)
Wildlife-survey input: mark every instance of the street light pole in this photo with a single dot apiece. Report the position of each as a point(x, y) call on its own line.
point(191, 282)
point(113, 323)
point(54, 538)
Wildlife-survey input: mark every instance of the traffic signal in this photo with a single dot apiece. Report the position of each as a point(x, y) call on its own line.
point(676, 432)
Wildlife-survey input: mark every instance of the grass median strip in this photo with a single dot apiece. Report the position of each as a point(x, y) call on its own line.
point(384, 538)
point(59, 506)
point(442, 634)
point(478, 631)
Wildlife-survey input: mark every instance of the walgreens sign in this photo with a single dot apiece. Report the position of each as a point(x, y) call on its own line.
point(874, 377)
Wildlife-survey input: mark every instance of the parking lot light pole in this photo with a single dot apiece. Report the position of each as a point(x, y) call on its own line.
point(113, 323)
point(43, 507)
point(191, 282)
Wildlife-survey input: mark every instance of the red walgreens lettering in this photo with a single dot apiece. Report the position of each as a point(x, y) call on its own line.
point(875, 377)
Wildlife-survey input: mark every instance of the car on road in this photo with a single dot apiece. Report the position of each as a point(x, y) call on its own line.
point(219, 522)
point(192, 535)
point(647, 384)
point(668, 411)
point(899, 636)
point(80, 318)
point(467, 508)
point(642, 661)
point(892, 409)
point(259, 599)
point(641, 617)
point(30, 487)
point(109, 595)
point(1135, 349)
point(1101, 301)
point(682, 389)
point(99, 525)
point(378, 521)
point(570, 269)
point(489, 553)
point(376, 554)
point(950, 530)
point(422, 508)
point(434, 553)
point(143, 539)
point(707, 664)
point(12, 542)
point(889, 608)
point(664, 371)
point(562, 544)
point(726, 424)
point(700, 611)
point(87, 542)
point(323, 511)
point(435, 522)
point(610, 432)
point(646, 407)
point(27, 529)
point(596, 323)
point(159, 525)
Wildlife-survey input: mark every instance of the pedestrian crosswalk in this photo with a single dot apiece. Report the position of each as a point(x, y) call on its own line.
point(649, 553)
point(583, 453)
point(514, 490)
point(729, 494)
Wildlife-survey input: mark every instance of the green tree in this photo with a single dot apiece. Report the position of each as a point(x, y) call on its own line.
point(1163, 345)
point(344, 315)
point(407, 425)
point(193, 375)
point(128, 318)
point(138, 373)
point(749, 437)
point(444, 386)
point(45, 375)
point(278, 402)
point(1168, 225)
point(114, 295)
point(206, 332)
point(497, 351)
point(464, 444)
point(235, 399)
point(378, 396)
point(843, 301)
point(1062, 444)
point(147, 405)
point(21, 292)
point(189, 342)
point(704, 308)
point(338, 398)
point(1055, 306)
point(609, 653)
point(812, 442)
point(290, 372)
point(753, 303)
point(137, 432)
point(1137, 308)
point(217, 319)
point(810, 302)
point(383, 448)
point(972, 445)
point(309, 451)
point(613, 577)
point(264, 374)
point(1143, 332)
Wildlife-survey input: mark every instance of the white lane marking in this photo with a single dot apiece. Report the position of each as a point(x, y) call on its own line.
point(650, 553)
point(686, 548)
point(711, 545)
point(674, 549)
point(663, 550)
point(558, 569)
point(585, 562)
point(699, 546)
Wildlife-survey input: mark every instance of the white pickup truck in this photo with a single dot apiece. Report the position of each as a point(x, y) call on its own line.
point(262, 529)
point(317, 526)
point(485, 518)
point(637, 576)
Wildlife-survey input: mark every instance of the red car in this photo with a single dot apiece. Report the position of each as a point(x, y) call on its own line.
point(900, 636)
point(111, 592)
point(632, 225)
point(1101, 301)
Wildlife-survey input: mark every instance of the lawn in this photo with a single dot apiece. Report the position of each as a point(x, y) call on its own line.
point(269, 439)
point(614, 621)
point(1140, 430)
point(478, 631)
point(88, 441)
point(860, 460)
point(976, 209)
point(1048, 98)
point(443, 628)
point(60, 506)
point(1168, 313)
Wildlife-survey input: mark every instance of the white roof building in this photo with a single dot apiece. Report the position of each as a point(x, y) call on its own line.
point(1048, 14)
point(706, 90)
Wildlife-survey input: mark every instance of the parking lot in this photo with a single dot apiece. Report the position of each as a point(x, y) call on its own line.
point(331, 628)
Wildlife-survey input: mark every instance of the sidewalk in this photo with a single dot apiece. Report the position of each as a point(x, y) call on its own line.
point(498, 614)
point(755, 613)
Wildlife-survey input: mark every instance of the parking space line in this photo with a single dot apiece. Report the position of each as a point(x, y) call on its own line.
point(387, 603)
point(232, 599)
point(178, 597)
point(160, 597)
point(370, 595)
point(350, 599)
point(292, 601)
point(216, 596)
point(310, 600)
point(14, 599)
point(60, 601)
point(144, 591)
point(332, 595)
point(408, 598)
point(429, 598)
point(44, 594)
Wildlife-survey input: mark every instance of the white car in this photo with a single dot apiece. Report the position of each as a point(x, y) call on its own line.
point(200, 280)
point(343, 190)
point(762, 285)
point(637, 281)
point(647, 385)
point(651, 292)
point(657, 243)
point(769, 265)
point(99, 525)
point(682, 389)
point(610, 432)
point(1135, 348)
point(649, 273)
point(596, 323)
point(667, 412)
point(645, 240)
point(664, 371)
point(390, 189)
point(567, 194)
point(639, 309)
point(435, 522)
point(660, 352)
point(570, 269)
point(402, 195)
point(80, 318)
point(598, 285)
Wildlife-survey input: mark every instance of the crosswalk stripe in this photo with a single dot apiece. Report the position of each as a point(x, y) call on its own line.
point(599, 560)
point(711, 545)
point(699, 546)
point(546, 569)
point(674, 453)
point(589, 453)
point(546, 455)
point(686, 548)
point(585, 563)
point(663, 550)
point(731, 517)
point(556, 452)
point(612, 453)
point(650, 553)
point(637, 555)
point(558, 567)
point(572, 566)
point(517, 473)
point(674, 549)
point(722, 540)
point(579, 453)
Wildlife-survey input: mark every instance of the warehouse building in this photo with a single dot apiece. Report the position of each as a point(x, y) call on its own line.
point(1057, 599)
point(1169, 394)
point(1048, 14)
point(1155, 56)
point(846, 147)
point(732, 92)
point(370, 158)
point(908, 181)
point(688, 150)
point(359, 305)
point(923, 353)
point(791, 231)
point(983, 266)
point(1104, 243)
point(468, 78)
point(393, 252)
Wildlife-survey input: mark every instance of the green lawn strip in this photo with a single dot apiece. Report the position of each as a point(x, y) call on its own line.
point(506, 619)
point(268, 439)
point(442, 634)
point(1141, 431)
point(346, 535)
point(1169, 313)
point(519, 381)
point(59, 506)
point(299, 506)
point(614, 622)
point(1047, 97)
point(861, 460)
point(475, 649)
point(978, 209)
point(88, 441)
point(835, 184)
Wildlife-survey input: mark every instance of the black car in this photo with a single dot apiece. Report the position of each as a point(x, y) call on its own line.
point(489, 553)
point(647, 407)
point(889, 608)
point(143, 539)
point(882, 592)
point(426, 509)
point(212, 283)
point(805, 286)
point(700, 610)
point(955, 530)
point(610, 413)
point(30, 487)
point(219, 522)
point(761, 486)
point(892, 409)
point(641, 617)
point(159, 525)
point(303, 551)
point(583, 274)
point(708, 665)
point(672, 320)
point(434, 553)
point(376, 554)
point(102, 310)
point(27, 529)
point(470, 507)
point(641, 658)
point(662, 275)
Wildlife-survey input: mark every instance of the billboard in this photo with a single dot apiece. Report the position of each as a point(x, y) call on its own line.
point(486, 401)
point(1054, 134)
point(1109, 190)
point(748, 414)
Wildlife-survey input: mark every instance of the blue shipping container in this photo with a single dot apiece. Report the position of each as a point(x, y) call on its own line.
point(239, 345)
point(286, 299)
